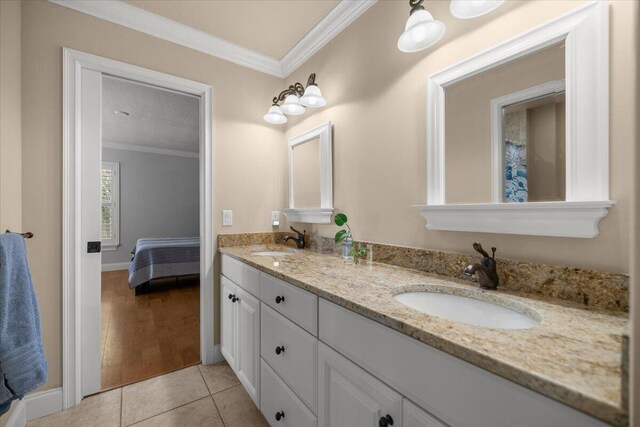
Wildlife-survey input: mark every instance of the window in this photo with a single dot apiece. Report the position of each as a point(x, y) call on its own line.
point(110, 196)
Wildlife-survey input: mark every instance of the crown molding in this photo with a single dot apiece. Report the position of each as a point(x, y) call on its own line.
point(331, 25)
point(121, 13)
point(132, 17)
point(148, 149)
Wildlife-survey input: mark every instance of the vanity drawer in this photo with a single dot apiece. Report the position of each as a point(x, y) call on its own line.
point(292, 353)
point(242, 274)
point(296, 304)
point(277, 397)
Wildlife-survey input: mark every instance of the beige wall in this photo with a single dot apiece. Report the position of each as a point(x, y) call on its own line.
point(468, 120)
point(250, 162)
point(10, 126)
point(377, 103)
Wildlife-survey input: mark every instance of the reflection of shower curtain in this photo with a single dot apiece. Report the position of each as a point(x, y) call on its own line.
point(515, 182)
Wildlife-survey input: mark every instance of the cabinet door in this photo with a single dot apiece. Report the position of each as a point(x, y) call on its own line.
point(228, 327)
point(248, 356)
point(348, 396)
point(415, 416)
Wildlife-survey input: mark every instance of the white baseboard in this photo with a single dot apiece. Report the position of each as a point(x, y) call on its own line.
point(217, 354)
point(116, 266)
point(18, 417)
point(43, 403)
point(34, 406)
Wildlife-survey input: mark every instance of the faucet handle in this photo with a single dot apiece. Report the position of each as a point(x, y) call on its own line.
point(293, 229)
point(478, 248)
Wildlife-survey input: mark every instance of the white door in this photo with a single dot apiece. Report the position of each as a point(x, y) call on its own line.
point(90, 218)
point(228, 326)
point(348, 396)
point(248, 357)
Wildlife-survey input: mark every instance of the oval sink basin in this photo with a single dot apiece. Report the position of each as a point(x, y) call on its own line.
point(273, 253)
point(470, 307)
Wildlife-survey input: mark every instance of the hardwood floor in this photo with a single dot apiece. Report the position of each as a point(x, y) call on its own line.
point(148, 335)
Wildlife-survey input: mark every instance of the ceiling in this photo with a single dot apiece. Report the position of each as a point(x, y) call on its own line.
point(157, 117)
point(270, 27)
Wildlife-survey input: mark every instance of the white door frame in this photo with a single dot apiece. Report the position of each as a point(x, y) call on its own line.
point(73, 62)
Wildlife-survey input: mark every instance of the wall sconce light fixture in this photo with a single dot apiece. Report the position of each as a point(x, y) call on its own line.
point(467, 9)
point(421, 30)
point(296, 97)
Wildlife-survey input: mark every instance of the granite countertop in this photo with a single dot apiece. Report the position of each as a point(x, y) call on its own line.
point(573, 355)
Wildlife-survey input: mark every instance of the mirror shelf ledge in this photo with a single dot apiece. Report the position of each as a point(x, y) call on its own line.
point(309, 215)
point(559, 219)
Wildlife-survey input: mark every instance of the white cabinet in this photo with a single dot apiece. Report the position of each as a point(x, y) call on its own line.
point(228, 329)
point(280, 405)
point(414, 416)
point(348, 396)
point(240, 335)
point(248, 356)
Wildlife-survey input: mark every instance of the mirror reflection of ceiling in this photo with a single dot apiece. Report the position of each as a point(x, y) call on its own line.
point(270, 27)
point(306, 175)
point(142, 115)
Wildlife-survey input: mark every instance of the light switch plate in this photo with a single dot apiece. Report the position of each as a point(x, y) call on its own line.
point(275, 218)
point(227, 218)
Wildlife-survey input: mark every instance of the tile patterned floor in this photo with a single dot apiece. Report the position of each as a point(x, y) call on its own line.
point(195, 396)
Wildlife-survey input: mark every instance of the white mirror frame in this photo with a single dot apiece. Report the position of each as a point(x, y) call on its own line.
point(321, 215)
point(585, 33)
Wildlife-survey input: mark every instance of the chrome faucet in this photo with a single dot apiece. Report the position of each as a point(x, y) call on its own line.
point(300, 240)
point(486, 269)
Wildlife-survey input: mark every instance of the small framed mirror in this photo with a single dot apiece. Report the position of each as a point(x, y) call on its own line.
point(311, 176)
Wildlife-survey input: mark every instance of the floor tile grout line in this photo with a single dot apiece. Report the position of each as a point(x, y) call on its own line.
point(218, 411)
point(205, 381)
point(169, 410)
point(226, 389)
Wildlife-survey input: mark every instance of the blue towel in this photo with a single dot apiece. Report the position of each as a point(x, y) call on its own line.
point(23, 367)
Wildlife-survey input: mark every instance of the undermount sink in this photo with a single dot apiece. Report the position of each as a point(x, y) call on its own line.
point(273, 253)
point(468, 306)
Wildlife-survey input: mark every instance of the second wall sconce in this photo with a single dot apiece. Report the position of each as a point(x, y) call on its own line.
point(296, 97)
point(421, 30)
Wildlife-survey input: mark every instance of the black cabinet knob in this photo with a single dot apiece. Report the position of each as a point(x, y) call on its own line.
point(235, 298)
point(280, 349)
point(279, 299)
point(279, 415)
point(230, 296)
point(385, 421)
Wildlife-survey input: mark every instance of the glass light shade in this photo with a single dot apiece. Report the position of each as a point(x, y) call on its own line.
point(420, 32)
point(275, 116)
point(313, 97)
point(467, 9)
point(292, 106)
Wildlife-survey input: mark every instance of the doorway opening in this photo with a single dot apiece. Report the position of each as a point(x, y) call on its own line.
point(83, 205)
point(150, 264)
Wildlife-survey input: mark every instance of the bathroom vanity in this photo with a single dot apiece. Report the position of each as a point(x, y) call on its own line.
point(318, 341)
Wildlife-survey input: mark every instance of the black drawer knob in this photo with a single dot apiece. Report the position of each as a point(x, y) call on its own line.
point(279, 415)
point(279, 299)
point(231, 296)
point(385, 421)
point(235, 298)
point(280, 349)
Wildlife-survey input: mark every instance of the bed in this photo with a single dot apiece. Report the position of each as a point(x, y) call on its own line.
point(163, 257)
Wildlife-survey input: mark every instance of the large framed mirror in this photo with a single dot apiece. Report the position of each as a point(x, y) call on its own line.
point(517, 137)
point(311, 176)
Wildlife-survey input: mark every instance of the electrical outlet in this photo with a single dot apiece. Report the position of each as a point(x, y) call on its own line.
point(227, 218)
point(275, 218)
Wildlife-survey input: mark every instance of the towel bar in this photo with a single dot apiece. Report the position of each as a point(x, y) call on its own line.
point(26, 235)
